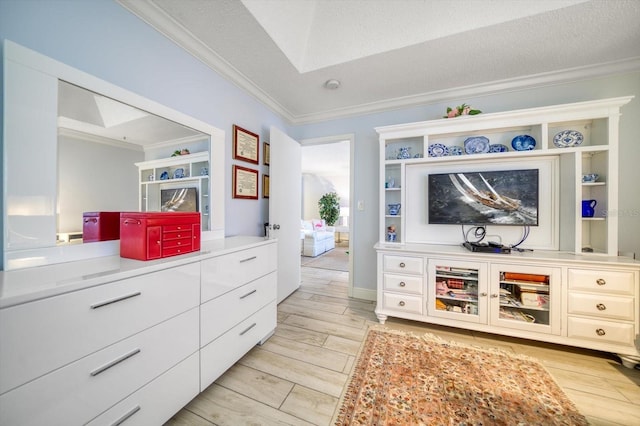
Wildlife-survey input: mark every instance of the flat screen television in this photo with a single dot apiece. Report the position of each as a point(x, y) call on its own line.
point(179, 200)
point(501, 197)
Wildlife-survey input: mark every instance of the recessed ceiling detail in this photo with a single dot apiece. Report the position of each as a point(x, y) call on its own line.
point(315, 34)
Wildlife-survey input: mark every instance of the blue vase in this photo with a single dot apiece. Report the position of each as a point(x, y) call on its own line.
point(403, 153)
point(588, 208)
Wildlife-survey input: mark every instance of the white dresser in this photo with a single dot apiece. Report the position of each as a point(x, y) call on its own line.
point(117, 341)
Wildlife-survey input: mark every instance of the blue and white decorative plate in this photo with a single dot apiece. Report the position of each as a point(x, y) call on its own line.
point(438, 150)
point(164, 175)
point(498, 147)
point(568, 138)
point(523, 143)
point(179, 173)
point(455, 150)
point(476, 145)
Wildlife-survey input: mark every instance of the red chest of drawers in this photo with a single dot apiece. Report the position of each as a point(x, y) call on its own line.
point(147, 236)
point(100, 226)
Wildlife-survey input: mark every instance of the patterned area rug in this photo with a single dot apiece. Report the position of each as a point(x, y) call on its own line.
point(403, 379)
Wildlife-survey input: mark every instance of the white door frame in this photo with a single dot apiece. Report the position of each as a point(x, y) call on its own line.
point(329, 140)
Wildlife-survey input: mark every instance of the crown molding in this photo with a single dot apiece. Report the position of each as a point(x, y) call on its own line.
point(163, 23)
point(484, 89)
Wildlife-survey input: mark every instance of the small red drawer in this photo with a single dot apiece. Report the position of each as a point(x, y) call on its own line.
point(100, 226)
point(147, 236)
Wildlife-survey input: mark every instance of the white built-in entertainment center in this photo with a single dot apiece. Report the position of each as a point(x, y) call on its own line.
point(560, 280)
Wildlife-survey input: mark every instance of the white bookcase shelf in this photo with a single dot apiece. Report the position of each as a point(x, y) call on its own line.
point(408, 144)
point(183, 171)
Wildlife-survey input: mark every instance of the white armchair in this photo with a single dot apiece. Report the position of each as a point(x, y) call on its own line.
point(318, 238)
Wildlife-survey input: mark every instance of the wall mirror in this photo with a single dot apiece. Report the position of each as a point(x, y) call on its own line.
point(63, 128)
point(99, 141)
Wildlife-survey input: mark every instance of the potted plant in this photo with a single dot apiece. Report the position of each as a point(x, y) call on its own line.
point(329, 208)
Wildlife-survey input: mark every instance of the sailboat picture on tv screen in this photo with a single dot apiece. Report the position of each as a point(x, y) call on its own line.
point(505, 197)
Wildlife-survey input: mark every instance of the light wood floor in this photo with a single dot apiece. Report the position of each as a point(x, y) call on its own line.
point(297, 376)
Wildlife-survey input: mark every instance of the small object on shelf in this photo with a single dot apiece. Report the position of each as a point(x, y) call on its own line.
point(476, 145)
point(391, 233)
point(590, 177)
point(178, 152)
point(455, 150)
point(179, 173)
point(164, 175)
point(394, 209)
point(463, 109)
point(568, 138)
point(152, 177)
point(404, 153)
point(391, 182)
point(523, 143)
point(418, 156)
point(589, 208)
point(204, 172)
point(438, 150)
point(498, 147)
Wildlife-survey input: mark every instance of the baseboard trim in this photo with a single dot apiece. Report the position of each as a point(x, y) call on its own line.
point(363, 293)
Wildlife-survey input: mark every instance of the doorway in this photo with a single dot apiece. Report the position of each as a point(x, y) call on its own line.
point(326, 167)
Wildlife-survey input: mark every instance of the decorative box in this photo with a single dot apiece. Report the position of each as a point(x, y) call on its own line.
point(100, 226)
point(147, 236)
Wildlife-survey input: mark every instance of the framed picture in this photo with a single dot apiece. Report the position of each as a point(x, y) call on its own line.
point(266, 154)
point(265, 186)
point(245, 183)
point(179, 200)
point(245, 145)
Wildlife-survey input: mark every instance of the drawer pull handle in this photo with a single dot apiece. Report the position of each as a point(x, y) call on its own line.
point(114, 362)
point(600, 332)
point(131, 222)
point(248, 259)
point(402, 265)
point(126, 415)
point(600, 281)
point(248, 328)
point(402, 284)
point(116, 300)
point(401, 303)
point(601, 306)
point(93, 219)
point(483, 294)
point(249, 294)
point(494, 295)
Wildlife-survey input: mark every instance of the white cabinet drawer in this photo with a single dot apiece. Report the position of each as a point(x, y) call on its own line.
point(222, 353)
point(75, 393)
point(46, 334)
point(601, 331)
point(403, 264)
point(155, 403)
point(224, 273)
point(403, 283)
point(222, 313)
point(619, 282)
point(615, 307)
point(402, 303)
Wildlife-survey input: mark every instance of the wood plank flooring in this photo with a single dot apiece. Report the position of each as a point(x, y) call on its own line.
point(297, 376)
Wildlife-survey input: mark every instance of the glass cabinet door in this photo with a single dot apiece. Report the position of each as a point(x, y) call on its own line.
point(525, 298)
point(457, 290)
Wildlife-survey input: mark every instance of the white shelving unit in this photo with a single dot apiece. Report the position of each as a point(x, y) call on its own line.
point(598, 153)
point(156, 175)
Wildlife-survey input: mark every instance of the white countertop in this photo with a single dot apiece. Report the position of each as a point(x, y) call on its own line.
point(29, 284)
point(544, 256)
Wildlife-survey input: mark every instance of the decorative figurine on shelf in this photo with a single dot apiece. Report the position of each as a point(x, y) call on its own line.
point(391, 182)
point(404, 153)
point(391, 233)
point(183, 151)
point(463, 109)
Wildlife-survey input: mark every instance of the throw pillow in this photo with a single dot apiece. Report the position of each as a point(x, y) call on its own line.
point(319, 225)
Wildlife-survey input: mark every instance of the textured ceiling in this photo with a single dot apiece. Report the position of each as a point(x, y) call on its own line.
point(396, 53)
